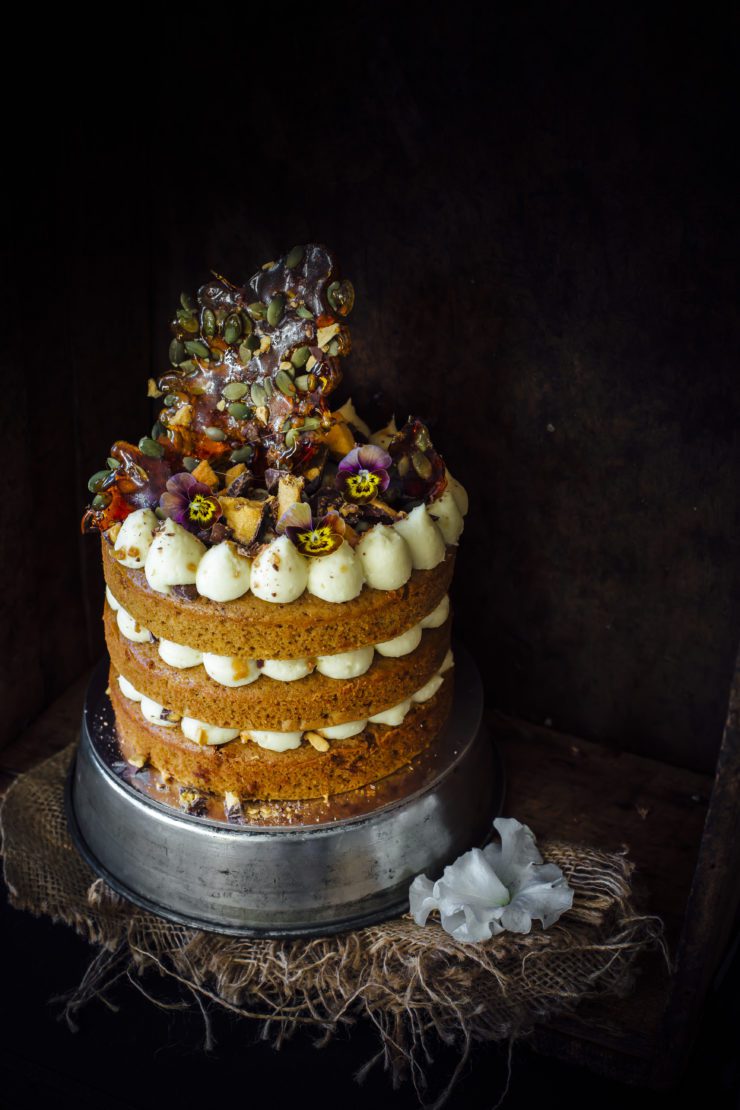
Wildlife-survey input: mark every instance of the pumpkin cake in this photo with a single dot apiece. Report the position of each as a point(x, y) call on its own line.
point(277, 613)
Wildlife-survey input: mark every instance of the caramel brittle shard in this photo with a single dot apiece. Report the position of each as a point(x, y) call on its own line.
point(243, 517)
point(290, 487)
point(233, 473)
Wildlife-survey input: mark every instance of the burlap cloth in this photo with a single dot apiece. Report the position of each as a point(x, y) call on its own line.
point(413, 983)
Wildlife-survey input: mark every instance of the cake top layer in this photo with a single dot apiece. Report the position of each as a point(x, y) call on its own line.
point(245, 447)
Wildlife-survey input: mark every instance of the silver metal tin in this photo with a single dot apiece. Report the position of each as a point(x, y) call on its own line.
point(321, 868)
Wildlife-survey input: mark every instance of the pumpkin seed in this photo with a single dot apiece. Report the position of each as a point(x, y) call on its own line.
point(187, 322)
point(101, 500)
point(159, 513)
point(158, 429)
point(404, 465)
point(302, 383)
point(268, 388)
point(291, 438)
point(256, 310)
point(242, 454)
point(97, 480)
point(215, 357)
point(421, 465)
point(209, 322)
point(275, 310)
point(245, 352)
point(300, 357)
point(113, 464)
point(311, 423)
point(187, 302)
point(422, 439)
point(189, 462)
point(234, 391)
point(246, 323)
point(254, 343)
point(287, 424)
point(333, 348)
point(189, 368)
point(177, 352)
point(216, 434)
point(171, 399)
point(305, 313)
point(341, 297)
point(149, 447)
point(294, 257)
point(258, 395)
point(197, 347)
point(284, 382)
point(232, 327)
point(239, 411)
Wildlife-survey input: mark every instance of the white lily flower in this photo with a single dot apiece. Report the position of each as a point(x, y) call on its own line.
point(499, 887)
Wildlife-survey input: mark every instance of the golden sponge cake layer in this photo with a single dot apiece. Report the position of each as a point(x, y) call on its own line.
point(251, 772)
point(255, 629)
point(308, 703)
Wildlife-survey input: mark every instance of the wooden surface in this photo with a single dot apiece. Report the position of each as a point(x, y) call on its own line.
point(536, 209)
point(573, 790)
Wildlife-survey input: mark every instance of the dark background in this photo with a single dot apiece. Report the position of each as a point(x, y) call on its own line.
point(537, 206)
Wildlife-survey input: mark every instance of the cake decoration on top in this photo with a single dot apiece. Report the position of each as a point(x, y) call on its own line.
point(247, 452)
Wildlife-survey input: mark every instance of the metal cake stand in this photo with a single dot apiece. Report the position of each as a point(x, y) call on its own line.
point(284, 869)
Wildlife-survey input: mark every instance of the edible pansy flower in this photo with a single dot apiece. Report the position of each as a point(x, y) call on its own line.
point(312, 540)
point(504, 886)
point(189, 503)
point(363, 473)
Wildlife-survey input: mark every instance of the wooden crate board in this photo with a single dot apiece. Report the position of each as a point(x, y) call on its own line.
point(592, 793)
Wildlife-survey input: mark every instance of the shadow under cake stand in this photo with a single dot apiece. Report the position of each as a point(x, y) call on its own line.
point(284, 869)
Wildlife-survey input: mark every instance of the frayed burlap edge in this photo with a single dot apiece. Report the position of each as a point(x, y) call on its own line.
point(414, 984)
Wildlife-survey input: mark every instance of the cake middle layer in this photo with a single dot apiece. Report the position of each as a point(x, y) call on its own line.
point(315, 701)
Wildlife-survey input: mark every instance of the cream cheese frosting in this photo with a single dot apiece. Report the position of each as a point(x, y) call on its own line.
point(223, 574)
point(385, 557)
point(279, 573)
point(135, 538)
point(173, 557)
point(424, 538)
point(337, 577)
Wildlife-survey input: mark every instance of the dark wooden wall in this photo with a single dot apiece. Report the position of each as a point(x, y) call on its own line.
point(537, 209)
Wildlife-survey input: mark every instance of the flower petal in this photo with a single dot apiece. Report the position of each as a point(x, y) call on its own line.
point(544, 902)
point(297, 516)
point(516, 852)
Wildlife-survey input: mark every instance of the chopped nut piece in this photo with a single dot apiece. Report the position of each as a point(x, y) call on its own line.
point(205, 473)
point(243, 516)
point(310, 364)
point(289, 492)
point(112, 533)
point(324, 336)
point(137, 761)
point(182, 418)
point(262, 413)
point(317, 742)
point(151, 389)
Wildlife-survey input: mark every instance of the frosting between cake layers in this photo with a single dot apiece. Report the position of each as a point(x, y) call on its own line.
point(202, 733)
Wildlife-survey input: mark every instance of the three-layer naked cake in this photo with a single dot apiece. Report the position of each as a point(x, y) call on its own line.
point(277, 577)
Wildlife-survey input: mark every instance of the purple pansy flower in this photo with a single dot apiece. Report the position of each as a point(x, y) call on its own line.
point(189, 502)
point(363, 473)
point(313, 540)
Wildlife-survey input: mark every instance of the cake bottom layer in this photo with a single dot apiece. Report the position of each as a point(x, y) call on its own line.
point(252, 772)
